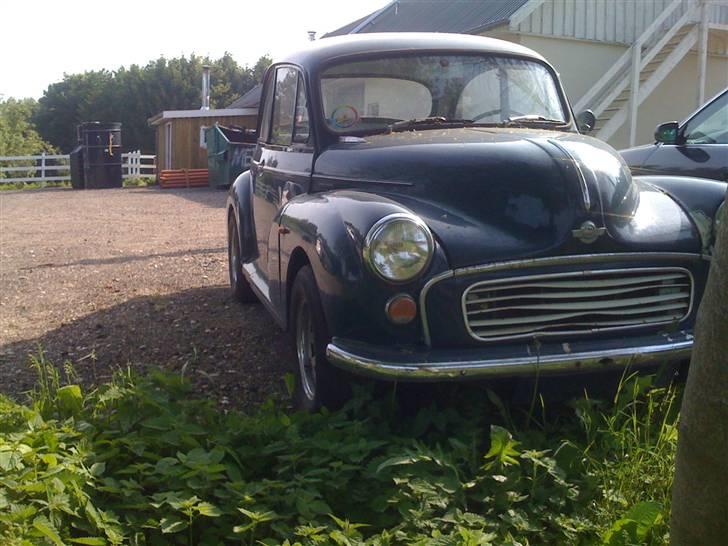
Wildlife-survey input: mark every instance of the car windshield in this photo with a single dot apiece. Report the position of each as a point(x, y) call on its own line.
point(710, 125)
point(370, 95)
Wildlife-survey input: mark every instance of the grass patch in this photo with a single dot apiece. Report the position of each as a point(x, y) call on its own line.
point(141, 461)
point(13, 186)
point(139, 181)
point(136, 182)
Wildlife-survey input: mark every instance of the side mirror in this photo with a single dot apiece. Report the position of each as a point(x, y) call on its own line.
point(667, 132)
point(586, 121)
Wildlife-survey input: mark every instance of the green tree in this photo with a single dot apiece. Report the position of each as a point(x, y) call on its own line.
point(700, 489)
point(17, 132)
point(132, 95)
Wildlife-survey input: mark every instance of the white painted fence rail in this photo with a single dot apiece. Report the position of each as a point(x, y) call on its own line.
point(56, 168)
point(136, 164)
point(44, 168)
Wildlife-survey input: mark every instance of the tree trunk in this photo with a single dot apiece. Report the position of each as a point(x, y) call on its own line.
point(700, 490)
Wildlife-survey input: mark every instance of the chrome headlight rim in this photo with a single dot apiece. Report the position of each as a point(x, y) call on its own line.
point(379, 226)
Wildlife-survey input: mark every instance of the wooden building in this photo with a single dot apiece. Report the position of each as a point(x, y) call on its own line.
point(180, 134)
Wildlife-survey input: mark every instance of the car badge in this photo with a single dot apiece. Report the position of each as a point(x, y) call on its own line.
point(588, 232)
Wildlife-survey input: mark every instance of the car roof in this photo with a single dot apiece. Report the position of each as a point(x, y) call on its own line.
point(326, 49)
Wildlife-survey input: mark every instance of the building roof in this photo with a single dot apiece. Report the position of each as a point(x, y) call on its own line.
point(221, 112)
point(251, 99)
point(458, 16)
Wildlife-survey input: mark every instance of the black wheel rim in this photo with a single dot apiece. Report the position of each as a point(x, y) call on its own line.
point(233, 258)
point(306, 350)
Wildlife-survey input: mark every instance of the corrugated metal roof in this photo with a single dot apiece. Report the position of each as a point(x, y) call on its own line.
point(459, 16)
point(251, 99)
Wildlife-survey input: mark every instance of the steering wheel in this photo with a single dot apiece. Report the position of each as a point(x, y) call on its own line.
point(701, 138)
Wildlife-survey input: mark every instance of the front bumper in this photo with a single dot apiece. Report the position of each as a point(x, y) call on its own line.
point(493, 361)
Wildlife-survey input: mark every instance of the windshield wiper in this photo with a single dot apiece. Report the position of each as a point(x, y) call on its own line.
point(530, 118)
point(429, 122)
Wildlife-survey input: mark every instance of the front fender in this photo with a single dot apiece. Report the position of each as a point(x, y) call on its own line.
point(699, 198)
point(330, 228)
point(240, 203)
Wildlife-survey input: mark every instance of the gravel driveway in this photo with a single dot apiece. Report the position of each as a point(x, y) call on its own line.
point(138, 277)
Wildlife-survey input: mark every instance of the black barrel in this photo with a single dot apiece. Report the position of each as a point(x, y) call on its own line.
point(101, 154)
point(76, 160)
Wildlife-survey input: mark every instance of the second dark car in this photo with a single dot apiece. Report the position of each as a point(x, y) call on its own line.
point(696, 147)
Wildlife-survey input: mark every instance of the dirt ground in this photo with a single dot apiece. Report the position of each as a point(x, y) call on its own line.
point(137, 277)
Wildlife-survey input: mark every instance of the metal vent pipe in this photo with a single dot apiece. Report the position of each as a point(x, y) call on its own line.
point(205, 87)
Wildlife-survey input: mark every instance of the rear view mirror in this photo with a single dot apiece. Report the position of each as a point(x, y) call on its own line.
point(666, 133)
point(586, 121)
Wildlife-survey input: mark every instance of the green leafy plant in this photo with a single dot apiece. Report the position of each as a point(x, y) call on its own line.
point(141, 461)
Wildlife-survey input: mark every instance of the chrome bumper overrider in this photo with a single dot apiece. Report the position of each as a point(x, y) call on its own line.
point(435, 365)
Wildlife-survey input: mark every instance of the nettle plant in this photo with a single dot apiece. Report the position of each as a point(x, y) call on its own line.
point(140, 461)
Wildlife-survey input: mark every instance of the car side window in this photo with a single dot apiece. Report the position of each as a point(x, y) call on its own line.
point(301, 129)
point(284, 105)
point(264, 132)
point(710, 126)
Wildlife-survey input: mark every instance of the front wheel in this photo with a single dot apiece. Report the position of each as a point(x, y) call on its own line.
point(238, 283)
point(317, 382)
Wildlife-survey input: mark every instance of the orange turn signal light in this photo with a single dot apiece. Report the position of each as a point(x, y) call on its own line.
point(401, 309)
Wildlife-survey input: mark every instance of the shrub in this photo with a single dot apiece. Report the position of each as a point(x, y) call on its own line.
point(141, 461)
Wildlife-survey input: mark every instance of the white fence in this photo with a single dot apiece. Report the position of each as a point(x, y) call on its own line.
point(34, 168)
point(136, 164)
point(56, 168)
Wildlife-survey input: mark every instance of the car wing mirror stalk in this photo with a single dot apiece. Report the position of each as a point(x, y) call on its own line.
point(667, 133)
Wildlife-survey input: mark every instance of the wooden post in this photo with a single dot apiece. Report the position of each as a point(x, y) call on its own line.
point(703, 51)
point(634, 91)
point(42, 169)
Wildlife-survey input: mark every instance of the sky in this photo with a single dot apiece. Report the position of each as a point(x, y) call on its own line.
point(42, 40)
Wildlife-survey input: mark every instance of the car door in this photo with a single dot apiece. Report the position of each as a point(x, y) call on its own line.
point(702, 146)
point(281, 170)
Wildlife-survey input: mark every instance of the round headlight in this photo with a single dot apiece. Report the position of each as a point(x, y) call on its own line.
point(399, 247)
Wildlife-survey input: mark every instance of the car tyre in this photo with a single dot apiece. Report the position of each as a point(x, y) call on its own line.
point(239, 285)
point(318, 383)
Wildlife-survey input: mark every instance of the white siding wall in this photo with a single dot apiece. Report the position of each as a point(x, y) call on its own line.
point(617, 21)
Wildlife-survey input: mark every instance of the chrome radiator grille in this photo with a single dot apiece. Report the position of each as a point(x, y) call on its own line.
point(576, 302)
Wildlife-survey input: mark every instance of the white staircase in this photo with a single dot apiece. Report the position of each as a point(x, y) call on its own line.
point(614, 99)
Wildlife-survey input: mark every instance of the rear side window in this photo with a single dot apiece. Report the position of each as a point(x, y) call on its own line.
point(301, 128)
point(265, 121)
point(284, 106)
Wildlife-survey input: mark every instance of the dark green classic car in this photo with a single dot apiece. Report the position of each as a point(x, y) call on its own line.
point(424, 207)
